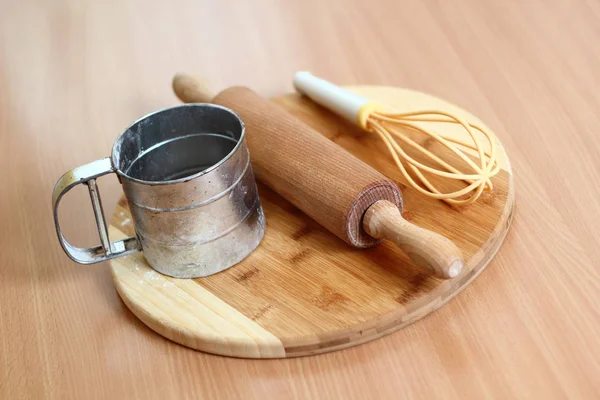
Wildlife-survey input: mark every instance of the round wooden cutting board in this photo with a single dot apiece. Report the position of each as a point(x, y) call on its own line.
point(304, 291)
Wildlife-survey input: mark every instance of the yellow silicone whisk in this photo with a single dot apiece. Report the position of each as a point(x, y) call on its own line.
point(388, 125)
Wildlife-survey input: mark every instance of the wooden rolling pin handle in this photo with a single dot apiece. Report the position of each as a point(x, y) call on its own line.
point(429, 250)
point(191, 89)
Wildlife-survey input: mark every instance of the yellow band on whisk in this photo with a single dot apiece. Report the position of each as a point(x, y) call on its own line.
point(365, 111)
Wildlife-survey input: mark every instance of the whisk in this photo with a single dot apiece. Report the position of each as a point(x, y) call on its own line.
point(372, 117)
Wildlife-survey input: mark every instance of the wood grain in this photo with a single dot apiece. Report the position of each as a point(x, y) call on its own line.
point(303, 291)
point(73, 74)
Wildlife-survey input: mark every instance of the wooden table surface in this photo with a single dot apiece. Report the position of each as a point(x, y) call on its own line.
point(73, 74)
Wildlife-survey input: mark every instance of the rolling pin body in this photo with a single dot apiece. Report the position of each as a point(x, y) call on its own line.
point(345, 195)
point(310, 171)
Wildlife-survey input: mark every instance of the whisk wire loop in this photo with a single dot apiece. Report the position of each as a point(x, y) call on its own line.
point(478, 173)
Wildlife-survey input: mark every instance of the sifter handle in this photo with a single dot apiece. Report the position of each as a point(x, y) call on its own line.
point(87, 174)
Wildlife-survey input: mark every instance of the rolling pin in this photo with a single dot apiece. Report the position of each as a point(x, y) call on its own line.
point(345, 195)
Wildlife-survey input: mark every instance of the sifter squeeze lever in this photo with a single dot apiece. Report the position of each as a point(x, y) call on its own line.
point(345, 195)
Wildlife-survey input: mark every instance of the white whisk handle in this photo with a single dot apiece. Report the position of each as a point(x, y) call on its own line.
point(330, 96)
